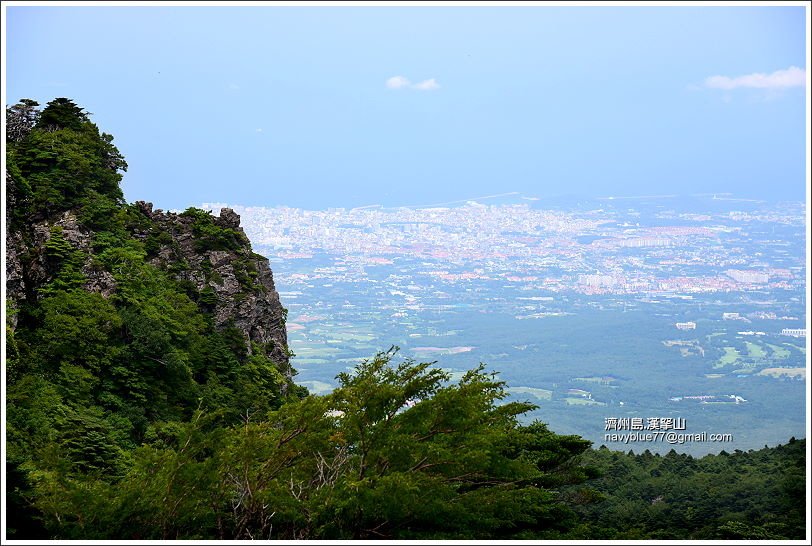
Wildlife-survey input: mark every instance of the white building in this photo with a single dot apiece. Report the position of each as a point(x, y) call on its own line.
point(686, 325)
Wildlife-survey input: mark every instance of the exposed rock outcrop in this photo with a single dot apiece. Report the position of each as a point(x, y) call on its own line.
point(27, 267)
point(212, 255)
point(242, 283)
point(15, 285)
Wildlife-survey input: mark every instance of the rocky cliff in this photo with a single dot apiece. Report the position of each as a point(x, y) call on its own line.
point(234, 281)
point(211, 256)
point(128, 329)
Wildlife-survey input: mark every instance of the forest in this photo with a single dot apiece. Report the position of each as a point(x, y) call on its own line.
point(134, 411)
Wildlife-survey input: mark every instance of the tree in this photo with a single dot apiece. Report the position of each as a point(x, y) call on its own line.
point(62, 113)
point(433, 459)
point(396, 451)
point(61, 157)
point(20, 119)
point(108, 350)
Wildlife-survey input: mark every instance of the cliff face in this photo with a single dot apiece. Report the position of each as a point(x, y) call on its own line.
point(126, 326)
point(210, 255)
point(15, 285)
point(27, 267)
point(237, 282)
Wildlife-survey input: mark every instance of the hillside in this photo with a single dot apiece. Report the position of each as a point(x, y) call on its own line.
point(752, 495)
point(121, 316)
point(150, 395)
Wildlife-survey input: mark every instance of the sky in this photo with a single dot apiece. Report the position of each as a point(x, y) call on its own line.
point(317, 107)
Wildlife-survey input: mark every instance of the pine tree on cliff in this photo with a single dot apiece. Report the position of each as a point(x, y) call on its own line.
point(115, 326)
point(63, 157)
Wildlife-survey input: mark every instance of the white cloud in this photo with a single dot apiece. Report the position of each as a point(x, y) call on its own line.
point(396, 82)
point(790, 77)
point(399, 82)
point(427, 85)
point(259, 130)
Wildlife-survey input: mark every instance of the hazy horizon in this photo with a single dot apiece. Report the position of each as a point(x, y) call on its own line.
point(317, 107)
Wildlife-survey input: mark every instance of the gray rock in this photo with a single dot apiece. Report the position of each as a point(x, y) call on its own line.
point(15, 283)
point(242, 281)
point(98, 280)
point(255, 310)
point(229, 218)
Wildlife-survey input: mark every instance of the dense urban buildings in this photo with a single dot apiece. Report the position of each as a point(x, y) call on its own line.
point(597, 251)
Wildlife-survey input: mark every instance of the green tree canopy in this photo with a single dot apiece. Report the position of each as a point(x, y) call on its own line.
point(396, 451)
point(60, 157)
point(62, 113)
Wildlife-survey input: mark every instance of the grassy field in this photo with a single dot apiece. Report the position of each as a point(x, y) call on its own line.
point(755, 350)
point(730, 357)
point(799, 373)
point(312, 351)
point(747, 370)
point(441, 350)
point(778, 352)
point(541, 394)
point(349, 336)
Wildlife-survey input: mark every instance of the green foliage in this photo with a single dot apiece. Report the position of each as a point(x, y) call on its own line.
point(62, 158)
point(75, 330)
point(258, 386)
point(88, 445)
point(210, 236)
point(373, 459)
point(91, 375)
point(156, 240)
point(65, 263)
point(208, 297)
point(245, 271)
point(18, 192)
point(98, 212)
point(12, 351)
point(743, 495)
point(740, 530)
point(63, 165)
point(453, 455)
point(62, 113)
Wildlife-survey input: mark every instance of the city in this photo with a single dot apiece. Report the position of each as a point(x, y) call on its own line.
point(601, 251)
point(656, 306)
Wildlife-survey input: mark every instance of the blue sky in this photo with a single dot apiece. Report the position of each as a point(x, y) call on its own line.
point(319, 107)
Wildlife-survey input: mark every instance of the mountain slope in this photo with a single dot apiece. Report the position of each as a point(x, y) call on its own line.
point(119, 316)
